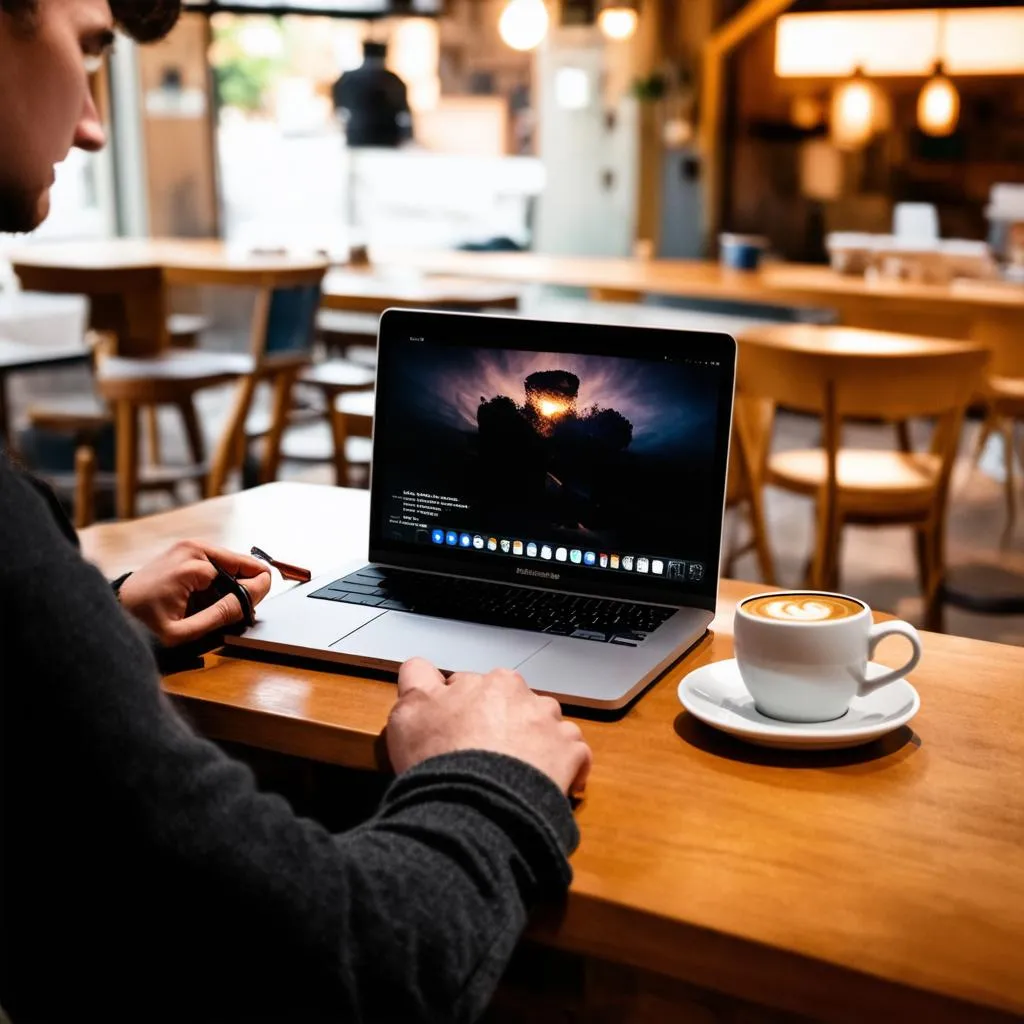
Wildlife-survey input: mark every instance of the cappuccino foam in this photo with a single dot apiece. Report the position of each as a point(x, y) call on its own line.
point(802, 607)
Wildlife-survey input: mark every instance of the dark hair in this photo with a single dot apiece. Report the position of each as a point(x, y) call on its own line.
point(144, 20)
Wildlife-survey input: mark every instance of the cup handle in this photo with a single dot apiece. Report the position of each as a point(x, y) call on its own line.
point(879, 631)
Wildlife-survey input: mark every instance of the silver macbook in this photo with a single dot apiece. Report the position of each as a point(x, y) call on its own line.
point(545, 496)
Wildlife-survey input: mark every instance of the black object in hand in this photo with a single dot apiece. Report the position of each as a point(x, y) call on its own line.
point(222, 585)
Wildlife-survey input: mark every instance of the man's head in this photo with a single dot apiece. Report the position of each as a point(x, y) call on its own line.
point(48, 50)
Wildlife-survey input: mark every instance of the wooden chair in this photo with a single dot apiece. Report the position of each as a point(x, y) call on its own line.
point(283, 336)
point(341, 332)
point(172, 378)
point(185, 329)
point(281, 343)
point(351, 417)
point(334, 378)
point(75, 435)
point(1002, 397)
point(885, 378)
point(739, 491)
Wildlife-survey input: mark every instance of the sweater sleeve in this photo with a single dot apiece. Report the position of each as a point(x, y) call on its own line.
point(412, 916)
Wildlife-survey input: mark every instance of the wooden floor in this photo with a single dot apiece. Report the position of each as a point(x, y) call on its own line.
point(878, 564)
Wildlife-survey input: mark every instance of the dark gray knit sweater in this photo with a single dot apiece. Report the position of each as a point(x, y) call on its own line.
point(145, 877)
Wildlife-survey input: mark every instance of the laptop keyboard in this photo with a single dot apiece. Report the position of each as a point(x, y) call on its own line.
point(497, 604)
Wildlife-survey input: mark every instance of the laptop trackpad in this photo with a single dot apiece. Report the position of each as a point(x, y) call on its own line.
point(452, 646)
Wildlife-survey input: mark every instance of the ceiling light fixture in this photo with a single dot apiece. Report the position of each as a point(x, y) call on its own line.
point(618, 19)
point(523, 24)
point(855, 111)
point(938, 105)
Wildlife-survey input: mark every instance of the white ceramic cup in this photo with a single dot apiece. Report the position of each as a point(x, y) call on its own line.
point(810, 670)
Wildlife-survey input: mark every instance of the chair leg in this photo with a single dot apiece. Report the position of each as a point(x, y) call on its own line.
point(730, 551)
point(818, 571)
point(153, 436)
point(230, 451)
point(339, 433)
point(759, 528)
point(934, 612)
point(127, 457)
point(85, 486)
point(922, 545)
point(193, 431)
point(834, 559)
point(283, 382)
point(903, 436)
point(1010, 483)
point(984, 433)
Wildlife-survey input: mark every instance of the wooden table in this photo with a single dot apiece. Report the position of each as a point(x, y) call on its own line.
point(878, 884)
point(127, 279)
point(374, 290)
point(966, 310)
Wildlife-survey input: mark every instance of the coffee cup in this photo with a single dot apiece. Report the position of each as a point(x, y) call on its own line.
point(803, 655)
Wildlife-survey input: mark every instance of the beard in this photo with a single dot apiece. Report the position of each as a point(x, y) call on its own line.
point(21, 210)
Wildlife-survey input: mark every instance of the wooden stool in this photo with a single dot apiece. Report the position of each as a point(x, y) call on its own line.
point(339, 331)
point(351, 417)
point(184, 329)
point(335, 378)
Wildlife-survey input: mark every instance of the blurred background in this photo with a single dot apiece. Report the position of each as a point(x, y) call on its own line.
point(698, 164)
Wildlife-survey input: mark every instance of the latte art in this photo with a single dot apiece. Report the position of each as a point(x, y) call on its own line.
point(803, 607)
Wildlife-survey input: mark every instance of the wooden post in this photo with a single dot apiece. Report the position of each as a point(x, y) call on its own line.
point(712, 99)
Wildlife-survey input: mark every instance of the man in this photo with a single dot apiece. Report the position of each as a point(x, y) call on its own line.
point(143, 875)
point(372, 102)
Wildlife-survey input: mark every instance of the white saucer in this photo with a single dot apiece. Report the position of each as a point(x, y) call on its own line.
point(716, 695)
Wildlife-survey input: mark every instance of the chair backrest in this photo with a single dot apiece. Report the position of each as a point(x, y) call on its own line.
point(999, 331)
point(284, 319)
point(858, 374)
point(839, 374)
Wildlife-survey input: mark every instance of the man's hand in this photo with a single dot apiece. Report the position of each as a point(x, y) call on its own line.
point(496, 712)
point(163, 594)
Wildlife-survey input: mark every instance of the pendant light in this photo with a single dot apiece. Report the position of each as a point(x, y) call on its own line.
point(855, 111)
point(523, 24)
point(618, 19)
point(938, 105)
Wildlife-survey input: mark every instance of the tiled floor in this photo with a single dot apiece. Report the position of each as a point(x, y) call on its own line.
point(877, 564)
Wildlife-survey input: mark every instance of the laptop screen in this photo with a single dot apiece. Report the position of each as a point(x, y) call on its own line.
point(564, 455)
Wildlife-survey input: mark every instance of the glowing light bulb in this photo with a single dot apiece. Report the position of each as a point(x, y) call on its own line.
point(523, 24)
point(618, 23)
point(855, 112)
point(938, 106)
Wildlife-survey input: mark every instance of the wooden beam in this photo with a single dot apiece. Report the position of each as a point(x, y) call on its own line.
point(743, 24)
point(721, 43)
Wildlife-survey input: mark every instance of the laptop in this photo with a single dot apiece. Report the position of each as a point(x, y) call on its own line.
point(545, 496)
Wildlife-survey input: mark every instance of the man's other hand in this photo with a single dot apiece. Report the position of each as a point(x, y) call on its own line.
point(496, 712)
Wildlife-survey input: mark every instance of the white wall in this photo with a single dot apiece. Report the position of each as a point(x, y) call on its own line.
point(589, 143)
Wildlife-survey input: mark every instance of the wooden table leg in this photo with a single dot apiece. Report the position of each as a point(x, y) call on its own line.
point(127, 457)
